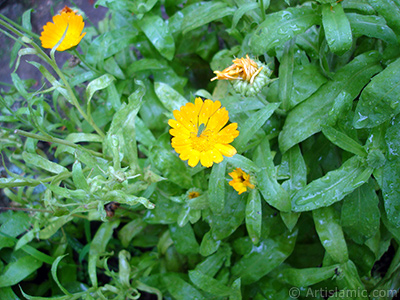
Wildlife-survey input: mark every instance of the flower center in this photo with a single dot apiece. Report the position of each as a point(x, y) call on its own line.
point(204, 141)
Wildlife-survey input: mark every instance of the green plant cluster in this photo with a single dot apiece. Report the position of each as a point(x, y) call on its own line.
point(321, 144)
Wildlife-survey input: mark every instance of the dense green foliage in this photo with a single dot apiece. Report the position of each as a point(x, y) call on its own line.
point(321, 144)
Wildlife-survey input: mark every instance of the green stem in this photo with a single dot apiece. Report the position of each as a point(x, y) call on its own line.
point(19, 27)
point(75, 100)
point(55, 140)
point(262, 10)
point(82, 59)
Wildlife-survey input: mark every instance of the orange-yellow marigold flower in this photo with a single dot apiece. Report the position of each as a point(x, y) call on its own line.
point(198, 133)
point(242, 69)
point(240, 180)
point(53, 32)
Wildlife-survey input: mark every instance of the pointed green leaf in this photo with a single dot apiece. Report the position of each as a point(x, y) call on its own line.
point(337, 28)
point(254, 216)
point(372, 26)
point(209, 284)
point(343, 141)
point(332, 187)
point(18, 270)
point(42, 163)
point(266, 178)
point(216, 186)
point(329, 101)
point(279, 27)
point(180, 289)
point(379, 100)
point(327, 224)
point(170, 98)
point(391, 175)
point(360, 213)
point(158, 33)
point(308, 276)
point(203, 13)
point(252, 125)
point(264, 257)
point(184, 239)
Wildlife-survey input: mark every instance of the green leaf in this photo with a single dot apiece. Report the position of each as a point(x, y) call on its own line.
point(18, 270)
point(170, 98)
point(240, 161)
point(130, 230)
point(123, 129)
point(349, 280)
point(111, 67)
point(252, 125)
point(110, 43)
point(98, 247)
point(391, 176)
point(209, 284)
point(243, 9)
point(208, 244)
point(293, 166)
point(216, 187)
point(55, 224)
point(327, 224)
point(329, 101)
point(231, 217)
point(306, 80)
point(379, 100)
point(266, 178)
point(343, 141)
point(184, 239)
point(42, 163)
point(264, 257)
point(98, 84)
point(7, 293)
point(254, 216)
point(286, 69)
point(78, 177)
point(389, 10)
point(171, 166)
point(180, 289)
point(54, 274)
point(337, 28)
point(332, 187)
point(308, 276)
point(372, 26)
point(158, 33)
point(202, 13)
point(279, 27)
point(212, 264)
point(360, 213)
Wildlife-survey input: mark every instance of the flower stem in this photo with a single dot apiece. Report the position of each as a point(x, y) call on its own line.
point(19, 27)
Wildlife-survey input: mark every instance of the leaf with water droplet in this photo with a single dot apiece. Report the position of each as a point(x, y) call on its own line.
point(380, 98)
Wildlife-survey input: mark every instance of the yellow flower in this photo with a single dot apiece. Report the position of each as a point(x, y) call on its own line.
point(193, 194)
point(53, 32)
point(240, 180)
point(242, 69)
point(198, 133)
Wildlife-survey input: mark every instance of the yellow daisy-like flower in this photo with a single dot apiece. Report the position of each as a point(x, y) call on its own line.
point(193, 194)
point(240, 180)
point(198, 133)
point(53, 32)
point(242, 69)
